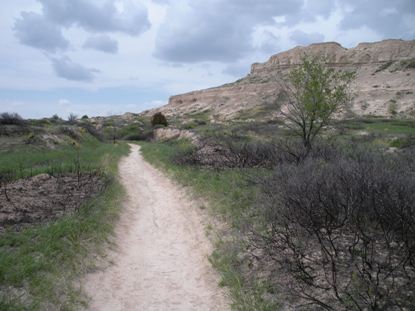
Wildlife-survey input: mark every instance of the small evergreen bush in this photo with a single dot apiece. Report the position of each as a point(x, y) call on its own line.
point(158, 119)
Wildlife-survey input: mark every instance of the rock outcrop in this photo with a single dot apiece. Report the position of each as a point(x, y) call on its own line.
point(168, 133)
point(384, 85)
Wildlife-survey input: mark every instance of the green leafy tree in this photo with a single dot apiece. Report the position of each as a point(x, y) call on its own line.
point(393, 108)
point(315, 93)
point(158, 119)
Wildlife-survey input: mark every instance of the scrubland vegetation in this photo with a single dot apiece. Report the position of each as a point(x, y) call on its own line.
point(333, 229)
point(42, 257)
point(325, 223)
point(318, 212)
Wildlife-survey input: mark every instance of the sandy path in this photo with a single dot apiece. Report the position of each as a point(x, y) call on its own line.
point(160, 262)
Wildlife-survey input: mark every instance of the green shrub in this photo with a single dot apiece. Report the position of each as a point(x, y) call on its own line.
point(133, 137)
point(409, 63)
point(393, 108)
point(131, 129)
point(158, 119)
point(402, 142)
point(384, 66)
point(159, 126)
point(189, 126)
point(30, 138)
point(146, 135)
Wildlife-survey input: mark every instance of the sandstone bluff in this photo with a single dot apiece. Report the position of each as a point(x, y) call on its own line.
point(385, 81)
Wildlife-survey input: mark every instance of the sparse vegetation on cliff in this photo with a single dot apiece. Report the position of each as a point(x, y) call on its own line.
point(386, 66)
point(249, 259)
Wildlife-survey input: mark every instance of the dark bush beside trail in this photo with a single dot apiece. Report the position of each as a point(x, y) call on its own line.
point(233, 155)
point(146, 135)
point(237, 152)
point(340, 230)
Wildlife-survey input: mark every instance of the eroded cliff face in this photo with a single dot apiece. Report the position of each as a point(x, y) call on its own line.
point(384, 85)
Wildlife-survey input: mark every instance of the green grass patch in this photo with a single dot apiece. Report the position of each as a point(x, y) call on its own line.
point(86, 156)
point(131, 129)
point(229, 189)
point(402, 142)
point(267, 108)
point(39, 264)
point(392, 127)
point(246, 297)
point(384, 66)
point(193, 120)
point(376, 132)
point(199, 115)
point(408, 63)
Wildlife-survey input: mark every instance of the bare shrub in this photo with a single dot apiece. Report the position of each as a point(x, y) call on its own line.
point(56, 118)
point(250, 154)
point(189, 156)
point(233, 151)
point(72, 118)
point(341, 231)
point(229, 151)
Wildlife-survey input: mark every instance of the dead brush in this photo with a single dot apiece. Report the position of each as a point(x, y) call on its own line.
point(340, 231)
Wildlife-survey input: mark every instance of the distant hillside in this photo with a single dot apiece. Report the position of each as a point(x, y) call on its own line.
point(385, 83)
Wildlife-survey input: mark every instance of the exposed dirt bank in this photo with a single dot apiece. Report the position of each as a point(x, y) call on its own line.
point(44, 197)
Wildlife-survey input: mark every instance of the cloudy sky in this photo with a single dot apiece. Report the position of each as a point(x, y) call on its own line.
point(102, 57)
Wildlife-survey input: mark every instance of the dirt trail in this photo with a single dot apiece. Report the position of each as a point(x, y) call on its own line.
point(160, 262)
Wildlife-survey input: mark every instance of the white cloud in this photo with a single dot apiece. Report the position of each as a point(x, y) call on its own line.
point(238, 69)
point(385, 17)
point(34, 30)
point(226, 35)
point(69, 70)
point(102, 43)
point(63, 102)
point(102, 17)
point(303, 38)
point(216, 30)
point(269, 42)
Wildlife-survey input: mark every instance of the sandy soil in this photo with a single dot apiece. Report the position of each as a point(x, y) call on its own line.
point(160, 262)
